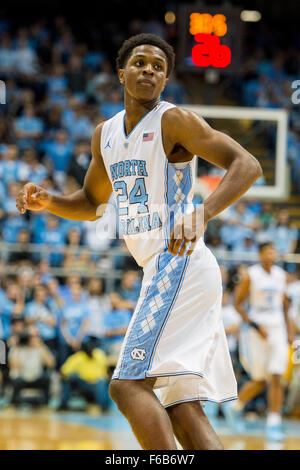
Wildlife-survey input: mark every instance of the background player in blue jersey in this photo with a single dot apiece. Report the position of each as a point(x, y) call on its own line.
point(144, 64)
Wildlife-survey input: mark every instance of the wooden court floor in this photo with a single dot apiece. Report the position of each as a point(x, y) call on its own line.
point(53, 431)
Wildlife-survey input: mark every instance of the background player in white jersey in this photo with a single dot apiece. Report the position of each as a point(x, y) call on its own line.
point(293, 293)
point(264, 338)
point(176, 339)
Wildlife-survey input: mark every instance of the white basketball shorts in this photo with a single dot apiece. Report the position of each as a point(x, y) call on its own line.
point(176, 333)
point(264, 357)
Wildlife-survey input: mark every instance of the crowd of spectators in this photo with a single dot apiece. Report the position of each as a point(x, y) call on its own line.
point(69, 330)
point(57, 90)
point(269, 80)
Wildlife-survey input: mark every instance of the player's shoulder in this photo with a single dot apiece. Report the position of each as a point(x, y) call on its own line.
point(98, 130)
point(254, 268)
point(176, 116)
point(279, 271)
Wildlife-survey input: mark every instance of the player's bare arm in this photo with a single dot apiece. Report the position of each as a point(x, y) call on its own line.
point(81, 205)
point(240, 295)
point(186, 134)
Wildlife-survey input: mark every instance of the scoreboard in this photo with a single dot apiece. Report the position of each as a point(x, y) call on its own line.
point(209, 38)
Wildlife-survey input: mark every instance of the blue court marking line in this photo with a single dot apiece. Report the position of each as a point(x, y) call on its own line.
point(116, 422)
point(112, 422)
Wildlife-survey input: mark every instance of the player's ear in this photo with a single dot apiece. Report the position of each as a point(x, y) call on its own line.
point(121, 73)
point(166, 81)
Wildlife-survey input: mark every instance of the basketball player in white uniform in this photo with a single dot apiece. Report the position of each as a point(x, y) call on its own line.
point(175, 341)
point(264, 338)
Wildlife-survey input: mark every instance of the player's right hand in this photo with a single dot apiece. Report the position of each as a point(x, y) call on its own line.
point(32, 197)
point(262, 332)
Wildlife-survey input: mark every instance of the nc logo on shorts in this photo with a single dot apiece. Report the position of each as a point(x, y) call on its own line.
point(138, 354)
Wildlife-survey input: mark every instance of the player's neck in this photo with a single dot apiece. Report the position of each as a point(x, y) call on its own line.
point(267, 267)
point(135, 110)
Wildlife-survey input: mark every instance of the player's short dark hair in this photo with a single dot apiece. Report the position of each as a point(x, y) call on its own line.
point(263, 245)
point(142, 39)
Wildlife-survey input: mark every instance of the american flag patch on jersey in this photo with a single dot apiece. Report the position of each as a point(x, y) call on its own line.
point(147, 136)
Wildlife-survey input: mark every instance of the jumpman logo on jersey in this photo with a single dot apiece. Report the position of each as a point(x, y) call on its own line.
point(108, 144)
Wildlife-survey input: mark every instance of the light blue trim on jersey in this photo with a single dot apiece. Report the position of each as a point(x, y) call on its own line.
point(152, 317)
point(137, 124)
point(166, 205)
point(223, 400)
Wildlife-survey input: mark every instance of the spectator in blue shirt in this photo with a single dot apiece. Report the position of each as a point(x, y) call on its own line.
point(12, 306)
point(57, 85)
point(65, 290)
point(115, 324)
point(247, 244)
point(130, 288)
point(28, 128)
point(73, 323)
point(79, 125)
point(5, 315)
point(37, 171)
point(53, 237)
point(283, 234)
point(39, 313)
point(113, 105)
point(11, 228)
point(11, 168)
point(59, 152)
point(9, 203)
point(8, 63)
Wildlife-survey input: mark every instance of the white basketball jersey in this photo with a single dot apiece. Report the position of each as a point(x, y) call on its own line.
point(150, 192)
point(293, 292)
point(266, 295)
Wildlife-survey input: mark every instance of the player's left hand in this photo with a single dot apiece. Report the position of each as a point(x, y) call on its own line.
point(187, 232)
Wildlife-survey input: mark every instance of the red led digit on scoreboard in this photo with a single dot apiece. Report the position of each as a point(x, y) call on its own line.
point(207, 30)
point(209, 51)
